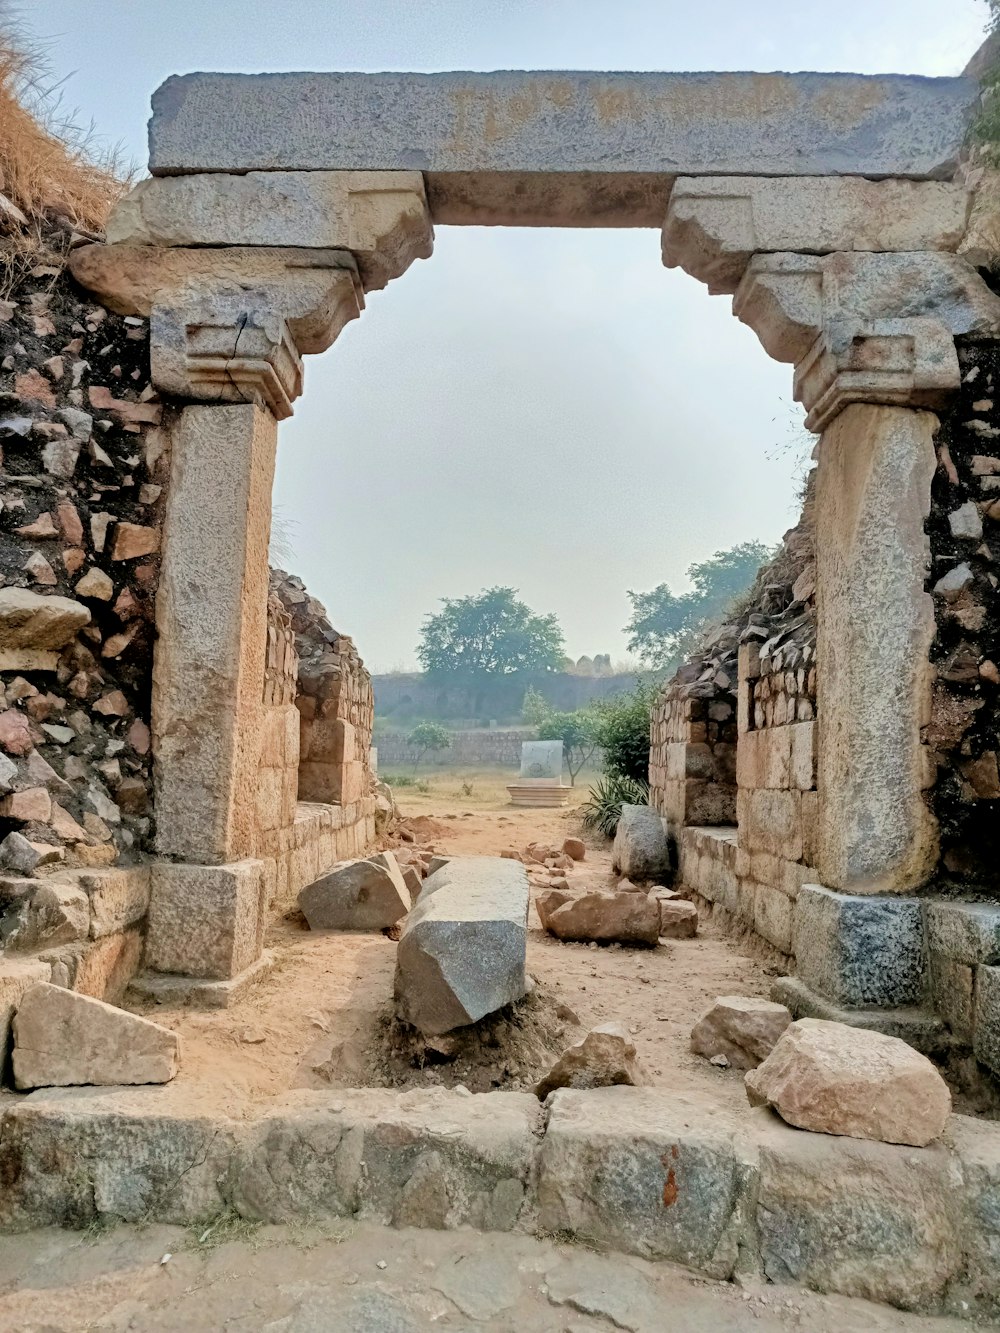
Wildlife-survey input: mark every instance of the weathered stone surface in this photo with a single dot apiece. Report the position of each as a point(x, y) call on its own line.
point(866, 1219)
point(133, 1155)
point(676, 124)
point(625, 918)
point(429, 1158)
point(118, 898)
point(641, 849)
point(51, 914)
point(920, 1028)
point(462, 951)
point(34, 626)
point(208, 679)
point(876, 833)
point(24, 856)
point(840, 1080)
point(966, 932)
point(715, 225)
point(977, 1148)
point(62, 1038)
point(381, 217)
point(859, 950)
point(640, 1172)
point(987, 1038)
point(17, 975)
point(743, 1028)
point(206, 921)
point(866, 328)
point(678, 919)
point(367, 894)
point(604, 1057)
point(575, 848)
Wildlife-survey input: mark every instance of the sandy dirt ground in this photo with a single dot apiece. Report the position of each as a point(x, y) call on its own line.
point(321, 1018)
point(368, 1280)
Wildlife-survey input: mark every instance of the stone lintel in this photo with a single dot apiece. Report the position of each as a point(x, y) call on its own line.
point(715, 225)
point(563, 121)
point(381, 218)
point(228, 324)
point(863, 327)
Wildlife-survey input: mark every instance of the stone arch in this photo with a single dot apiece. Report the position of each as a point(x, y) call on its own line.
point(830, 207)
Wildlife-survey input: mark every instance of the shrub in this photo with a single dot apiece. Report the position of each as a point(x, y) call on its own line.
point(622, 732)
point(604, 808)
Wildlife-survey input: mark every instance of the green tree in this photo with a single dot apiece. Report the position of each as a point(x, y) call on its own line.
point(492, 634)
point(425, 737)
point(665, 625)
point(578, 733)
point(535, 708)
point(986, 125)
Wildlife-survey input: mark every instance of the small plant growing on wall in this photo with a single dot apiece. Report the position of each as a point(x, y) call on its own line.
point(427, 738)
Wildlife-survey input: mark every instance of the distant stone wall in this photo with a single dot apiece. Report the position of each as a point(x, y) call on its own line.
point(501, 749)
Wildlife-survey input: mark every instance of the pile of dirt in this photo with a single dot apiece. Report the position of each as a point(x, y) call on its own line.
point(509, 1050)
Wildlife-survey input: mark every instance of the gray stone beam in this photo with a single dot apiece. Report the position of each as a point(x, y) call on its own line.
point(586, 128)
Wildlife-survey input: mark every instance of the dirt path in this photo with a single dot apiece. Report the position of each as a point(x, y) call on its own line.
point(321, 1018)
point(362, 1279)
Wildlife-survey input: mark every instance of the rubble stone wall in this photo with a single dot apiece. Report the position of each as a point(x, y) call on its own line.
point(499, 747)
point(85, 462)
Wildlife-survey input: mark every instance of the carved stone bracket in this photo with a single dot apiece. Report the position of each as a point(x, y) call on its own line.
point(228, 325)
point(870, 328)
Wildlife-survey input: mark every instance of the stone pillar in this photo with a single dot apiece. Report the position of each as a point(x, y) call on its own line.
point(208, 676)
point(875, 627)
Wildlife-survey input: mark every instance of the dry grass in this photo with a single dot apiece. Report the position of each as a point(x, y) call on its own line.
point(51, 176)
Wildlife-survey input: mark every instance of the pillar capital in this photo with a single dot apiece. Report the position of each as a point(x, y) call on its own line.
point(866, 327)
point(228, 325)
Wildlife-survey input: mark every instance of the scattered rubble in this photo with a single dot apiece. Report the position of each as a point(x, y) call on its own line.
point(623, 918)
point(604, 1057)
point(741, 1029)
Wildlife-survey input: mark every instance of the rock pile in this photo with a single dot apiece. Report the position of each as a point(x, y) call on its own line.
point(836, 1079)
point(84, 474)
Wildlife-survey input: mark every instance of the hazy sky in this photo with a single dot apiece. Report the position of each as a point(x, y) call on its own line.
point(548, 409)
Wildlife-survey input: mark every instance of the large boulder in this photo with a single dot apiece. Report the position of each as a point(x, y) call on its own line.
point(641, 849)
point(462, 952)
point(603, 1058)
point(367, 894)
point(740, 1027)
point(621, 918)
point(62, 1039)
point(836, 1079)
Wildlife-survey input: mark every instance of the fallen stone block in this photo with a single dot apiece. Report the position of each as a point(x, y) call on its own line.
point(413, 881)
point(604, 1057)
point(367, 894)
point(622, 918)
point(431, 1158)
point(641, 849)
point(842, 1080)
point(742, 1028)
point(575, 848)
point(462, 952)
point(646, 1173)
point(678, 919)
point(120, 1155)
point(63, 1039)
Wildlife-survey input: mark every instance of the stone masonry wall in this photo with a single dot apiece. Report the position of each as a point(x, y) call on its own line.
point(962, 920)
point(84, 470)
point(499, 747)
